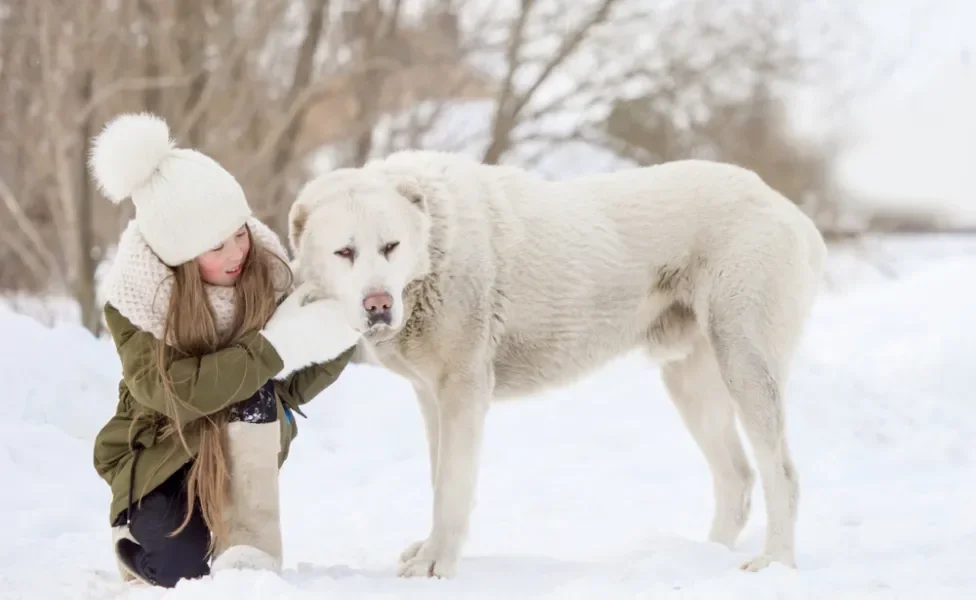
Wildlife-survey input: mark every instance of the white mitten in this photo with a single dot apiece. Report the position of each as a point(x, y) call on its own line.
point(306, 334)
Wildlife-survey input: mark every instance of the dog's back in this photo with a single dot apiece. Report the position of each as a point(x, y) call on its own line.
point(589, 268)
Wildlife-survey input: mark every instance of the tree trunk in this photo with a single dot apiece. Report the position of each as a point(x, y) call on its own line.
point(84, 252)
point(284, 151)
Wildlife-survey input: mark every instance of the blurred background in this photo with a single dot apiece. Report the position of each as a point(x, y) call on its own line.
point(861, 112)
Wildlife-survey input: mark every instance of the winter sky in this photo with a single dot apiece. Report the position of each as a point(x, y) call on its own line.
point(915, 130)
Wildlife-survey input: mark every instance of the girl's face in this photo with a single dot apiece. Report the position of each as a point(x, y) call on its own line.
point(222, 265)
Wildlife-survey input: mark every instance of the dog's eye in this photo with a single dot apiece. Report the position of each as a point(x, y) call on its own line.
point(346, 252)
point(390, 247)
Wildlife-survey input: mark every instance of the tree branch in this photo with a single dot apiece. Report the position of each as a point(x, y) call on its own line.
point(502, 119)
point(569, 45)
point(27, 228)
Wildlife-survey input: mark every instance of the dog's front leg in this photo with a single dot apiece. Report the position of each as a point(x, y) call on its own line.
point(462, 402)
point(430, 412)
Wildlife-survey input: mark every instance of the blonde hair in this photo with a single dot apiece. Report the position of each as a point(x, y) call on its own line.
point(191, 328)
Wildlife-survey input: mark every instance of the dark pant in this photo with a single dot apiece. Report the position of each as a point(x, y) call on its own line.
point(159, 557)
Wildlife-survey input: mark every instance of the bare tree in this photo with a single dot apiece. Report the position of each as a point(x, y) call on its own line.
point(268, 87)
point(513, 99)
point(252, 84)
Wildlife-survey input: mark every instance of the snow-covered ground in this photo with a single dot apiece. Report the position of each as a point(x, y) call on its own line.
point(594, 491)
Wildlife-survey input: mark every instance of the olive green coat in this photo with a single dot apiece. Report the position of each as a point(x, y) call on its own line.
point(129, 455)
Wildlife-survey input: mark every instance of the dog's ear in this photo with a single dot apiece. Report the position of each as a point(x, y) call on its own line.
point(297, 217)
point(410, 189)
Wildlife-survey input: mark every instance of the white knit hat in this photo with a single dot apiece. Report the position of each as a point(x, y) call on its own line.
point(186, 203)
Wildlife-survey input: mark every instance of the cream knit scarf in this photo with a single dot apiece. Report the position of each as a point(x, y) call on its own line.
point(139, 285)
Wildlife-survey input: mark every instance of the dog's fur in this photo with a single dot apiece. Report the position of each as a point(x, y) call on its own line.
point(506, 284)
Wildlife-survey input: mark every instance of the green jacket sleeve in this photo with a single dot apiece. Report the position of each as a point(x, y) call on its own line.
point(305, 384)
point(202, 385)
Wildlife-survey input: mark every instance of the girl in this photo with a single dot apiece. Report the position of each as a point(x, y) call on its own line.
point(212, 366)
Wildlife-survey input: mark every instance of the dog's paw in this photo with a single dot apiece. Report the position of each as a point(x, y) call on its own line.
point(762, 561)
point(427, 559)
point(245, 557)
point(411, 551)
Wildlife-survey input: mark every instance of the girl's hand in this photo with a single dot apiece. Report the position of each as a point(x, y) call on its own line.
point(305, 334)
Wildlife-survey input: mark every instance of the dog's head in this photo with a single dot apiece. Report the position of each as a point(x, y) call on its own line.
point(361, 238)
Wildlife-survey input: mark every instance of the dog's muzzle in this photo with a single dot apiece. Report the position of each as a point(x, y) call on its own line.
point(379, 307)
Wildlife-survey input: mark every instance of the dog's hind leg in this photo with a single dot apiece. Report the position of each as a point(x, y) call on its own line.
point(752, 348)
point(696, 388)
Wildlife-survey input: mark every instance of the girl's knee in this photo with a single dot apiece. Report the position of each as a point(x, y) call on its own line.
point(179, 561)
point(166, 564)
point(161, 556)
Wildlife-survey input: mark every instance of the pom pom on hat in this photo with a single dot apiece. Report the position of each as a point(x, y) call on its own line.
point(186, 203)
point(128, 151)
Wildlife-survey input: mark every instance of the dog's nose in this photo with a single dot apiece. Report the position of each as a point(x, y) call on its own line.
point(378, 305)
point(378, 301)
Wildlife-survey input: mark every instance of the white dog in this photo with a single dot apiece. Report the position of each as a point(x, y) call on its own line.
point(478, 282)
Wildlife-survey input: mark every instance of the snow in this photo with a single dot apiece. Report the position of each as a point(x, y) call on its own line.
point(592, 491)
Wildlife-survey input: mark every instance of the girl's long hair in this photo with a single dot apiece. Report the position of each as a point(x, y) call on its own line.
point(191, 328)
